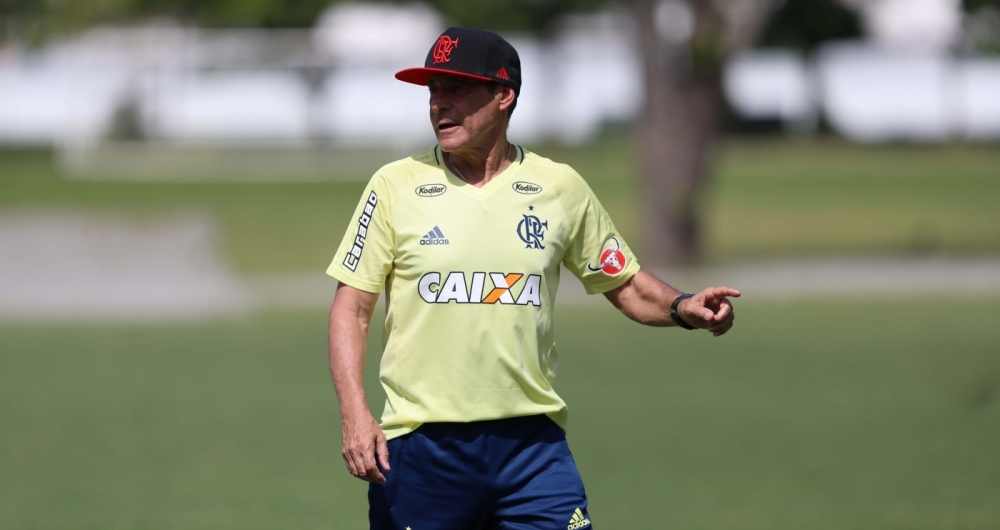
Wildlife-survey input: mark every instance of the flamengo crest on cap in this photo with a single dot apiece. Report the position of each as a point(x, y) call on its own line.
point(443, 48)
point(613, 260)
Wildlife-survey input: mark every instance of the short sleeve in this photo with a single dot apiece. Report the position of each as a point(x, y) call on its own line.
point(365, 255)
point(597, 254)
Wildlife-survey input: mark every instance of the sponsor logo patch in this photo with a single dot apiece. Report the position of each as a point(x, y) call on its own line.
point(438, 288)
point(354, 256)
point(526, 188)
point(430, 190)
point(612, 261)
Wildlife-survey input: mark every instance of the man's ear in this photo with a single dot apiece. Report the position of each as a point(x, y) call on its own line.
point(507, 97)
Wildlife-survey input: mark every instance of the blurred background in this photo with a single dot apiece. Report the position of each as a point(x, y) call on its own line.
point(175, 176)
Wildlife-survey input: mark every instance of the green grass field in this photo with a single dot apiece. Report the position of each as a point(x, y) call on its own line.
point(813, 414)
point(821, 414)
point(768, 199)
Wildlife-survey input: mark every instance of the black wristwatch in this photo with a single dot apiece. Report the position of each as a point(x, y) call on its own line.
point(673, 311)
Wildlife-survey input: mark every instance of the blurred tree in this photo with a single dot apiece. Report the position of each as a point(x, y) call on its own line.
point(982, 26)
point(682, 66)
point(973, 5)
point(804, 24)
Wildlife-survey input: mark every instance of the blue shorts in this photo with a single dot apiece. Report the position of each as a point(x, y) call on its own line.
point(510, 474)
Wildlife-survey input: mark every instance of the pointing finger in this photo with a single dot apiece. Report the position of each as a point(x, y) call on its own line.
point(722, 292)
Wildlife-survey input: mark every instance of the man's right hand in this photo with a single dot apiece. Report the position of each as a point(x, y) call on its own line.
point(363, 441)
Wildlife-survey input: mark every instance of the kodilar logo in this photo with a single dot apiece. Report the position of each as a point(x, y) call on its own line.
point(430, 190)
point(526, 188)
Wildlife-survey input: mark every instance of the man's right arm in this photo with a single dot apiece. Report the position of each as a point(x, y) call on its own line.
point(363, 439)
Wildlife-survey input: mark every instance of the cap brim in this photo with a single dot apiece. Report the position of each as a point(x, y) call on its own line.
point(418, 76)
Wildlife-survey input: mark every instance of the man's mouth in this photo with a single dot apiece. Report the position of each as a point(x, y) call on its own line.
point(446, 126)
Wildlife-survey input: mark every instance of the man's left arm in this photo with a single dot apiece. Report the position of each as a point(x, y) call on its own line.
point(647, 300)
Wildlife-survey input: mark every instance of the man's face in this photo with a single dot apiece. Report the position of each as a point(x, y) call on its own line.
point(463, 111)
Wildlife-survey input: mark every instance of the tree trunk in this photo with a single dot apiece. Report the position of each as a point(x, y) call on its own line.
point(682, 111)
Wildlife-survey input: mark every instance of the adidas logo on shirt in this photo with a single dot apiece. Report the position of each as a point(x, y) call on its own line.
point(434, 237)
point(577, 521)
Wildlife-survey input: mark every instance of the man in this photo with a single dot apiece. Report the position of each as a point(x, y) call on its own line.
point(467, 239)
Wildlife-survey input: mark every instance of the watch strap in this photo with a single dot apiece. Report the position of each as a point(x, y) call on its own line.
point(673, 311)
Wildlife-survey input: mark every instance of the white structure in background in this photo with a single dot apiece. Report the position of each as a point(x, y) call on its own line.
point(224, 87)
point(360, 103)
point(595, 76)
point(330, 85)
point(873, 94)
point(333, 85)
point(228, 107)
point(901, 84)
point(904, 84)
point(911, 24)
point(70, 91)
point(876, 94)
point(169, 78)
point(979, 95)
point(776, 85)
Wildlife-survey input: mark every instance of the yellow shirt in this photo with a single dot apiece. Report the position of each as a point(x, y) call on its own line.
point(470, 276)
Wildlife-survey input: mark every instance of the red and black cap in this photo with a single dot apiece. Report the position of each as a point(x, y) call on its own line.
point(472, 53)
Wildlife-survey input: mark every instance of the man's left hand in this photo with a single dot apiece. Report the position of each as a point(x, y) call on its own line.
point(709, 309)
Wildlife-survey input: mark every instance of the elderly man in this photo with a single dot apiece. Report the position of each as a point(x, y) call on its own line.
point(467, 239)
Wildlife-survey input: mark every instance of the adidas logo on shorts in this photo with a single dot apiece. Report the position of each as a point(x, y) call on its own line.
point(578, 521)
point(434, 237)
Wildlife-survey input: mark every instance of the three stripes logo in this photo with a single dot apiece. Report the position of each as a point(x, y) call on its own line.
point(577, 521)
point(434, 237)
point(502, 74)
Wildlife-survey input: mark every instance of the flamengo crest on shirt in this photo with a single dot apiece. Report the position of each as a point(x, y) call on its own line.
point(531, 230)
point(354, 256)
point(454, 288)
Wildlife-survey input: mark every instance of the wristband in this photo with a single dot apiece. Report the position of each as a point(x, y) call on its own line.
point(673, 311)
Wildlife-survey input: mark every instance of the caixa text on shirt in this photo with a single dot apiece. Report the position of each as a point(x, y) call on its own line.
point(455, 288)
point(354, 256)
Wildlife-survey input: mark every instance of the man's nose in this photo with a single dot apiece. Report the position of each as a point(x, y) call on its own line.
point(439, 102)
